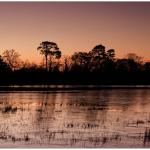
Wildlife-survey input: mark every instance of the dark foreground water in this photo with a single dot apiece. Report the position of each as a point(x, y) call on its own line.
point(75, 118)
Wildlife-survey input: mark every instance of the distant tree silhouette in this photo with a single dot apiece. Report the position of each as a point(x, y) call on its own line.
point(110, 54)
point(122, 65)
point(4, 67)
point(134, 57)
point(26, 64)
point(101, 59)
point(108, 63)
point(127, 65)
point(28, 67)
point(98, 66)
point(49, 49)
point(98, 52)
point(81, 58)
point(67, 63)
point(147, 67)
point(135, 62)
point(81, 61)
point(11, 57)
point(54, 61)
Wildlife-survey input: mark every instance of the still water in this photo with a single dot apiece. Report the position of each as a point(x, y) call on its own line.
point(75, 118)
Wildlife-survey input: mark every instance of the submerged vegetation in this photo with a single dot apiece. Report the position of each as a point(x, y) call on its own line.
point(98, 66)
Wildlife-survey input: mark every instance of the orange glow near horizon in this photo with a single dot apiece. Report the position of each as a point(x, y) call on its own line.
point(75, 26)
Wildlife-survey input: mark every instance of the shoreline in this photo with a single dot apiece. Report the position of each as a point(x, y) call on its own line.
point(69, 87)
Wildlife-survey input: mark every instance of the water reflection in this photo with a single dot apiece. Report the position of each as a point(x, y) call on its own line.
point(100, 118)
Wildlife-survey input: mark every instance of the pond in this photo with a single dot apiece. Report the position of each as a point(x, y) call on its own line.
point(75, 118)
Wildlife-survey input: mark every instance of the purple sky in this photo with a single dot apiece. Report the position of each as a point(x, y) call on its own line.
point(75, 26)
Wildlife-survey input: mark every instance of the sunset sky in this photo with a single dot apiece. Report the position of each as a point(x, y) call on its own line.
point(75, 26)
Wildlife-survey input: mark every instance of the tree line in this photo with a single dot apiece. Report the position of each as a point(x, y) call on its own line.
point(98, 66)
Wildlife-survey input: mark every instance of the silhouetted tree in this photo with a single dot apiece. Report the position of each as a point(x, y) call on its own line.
point(101, 59)
point(122, 65)
point(147, 67)
point(98, 52)
point(28, 67)
point(110, 54)
point(11, 57)
point(98, 66)
point(127, 65)
point(67, 63)
point(81, 60)
point(135, 62)
point(54, 61)
point(134, 57)
point(108, 63)
point(4, 66)
point(49, 49)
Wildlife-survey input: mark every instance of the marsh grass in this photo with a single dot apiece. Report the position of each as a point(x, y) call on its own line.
point(140, 122)
point(146, 136)
point(9, 109)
